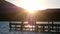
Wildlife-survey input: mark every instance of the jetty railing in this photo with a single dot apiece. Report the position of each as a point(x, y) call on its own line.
point(36, 28)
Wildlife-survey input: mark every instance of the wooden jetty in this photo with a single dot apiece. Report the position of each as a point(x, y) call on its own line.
point(37, 28)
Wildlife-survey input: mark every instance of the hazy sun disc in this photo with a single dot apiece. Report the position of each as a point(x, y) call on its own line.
point(32, 5)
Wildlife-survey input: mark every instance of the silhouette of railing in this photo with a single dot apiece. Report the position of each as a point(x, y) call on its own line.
point(37, 28)
point(48, 27)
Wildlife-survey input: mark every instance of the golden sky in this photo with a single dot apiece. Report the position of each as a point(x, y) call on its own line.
point(36, 4)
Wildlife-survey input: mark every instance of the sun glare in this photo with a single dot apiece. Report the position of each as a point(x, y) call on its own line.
point(32, 5)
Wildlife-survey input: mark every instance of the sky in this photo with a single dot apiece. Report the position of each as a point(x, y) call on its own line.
point(44, 3)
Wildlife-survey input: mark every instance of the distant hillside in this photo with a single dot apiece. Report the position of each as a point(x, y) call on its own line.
point(9, 11)
point(48, 15)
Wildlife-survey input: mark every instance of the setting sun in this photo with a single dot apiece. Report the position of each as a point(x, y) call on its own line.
point(32, 5)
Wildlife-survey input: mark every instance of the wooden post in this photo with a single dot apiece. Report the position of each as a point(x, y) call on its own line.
point(48, 27)
point(58, 28)
point(43, 30)
point(9, 25)
point(21, 26)
point(52, 24)
point(36, 28)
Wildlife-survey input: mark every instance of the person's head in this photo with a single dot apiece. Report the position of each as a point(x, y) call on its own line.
point(2, 0)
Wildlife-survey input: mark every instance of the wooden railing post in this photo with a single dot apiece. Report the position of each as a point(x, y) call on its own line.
point(48, 26)
point(9, 25)
point(22, 25)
